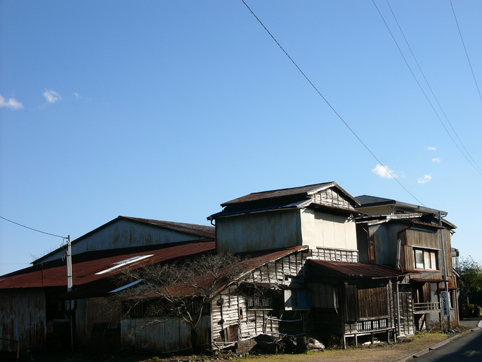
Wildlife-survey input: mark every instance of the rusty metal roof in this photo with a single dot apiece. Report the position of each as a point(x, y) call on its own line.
point(86, 265)
point(356, 270)
point(250, 263)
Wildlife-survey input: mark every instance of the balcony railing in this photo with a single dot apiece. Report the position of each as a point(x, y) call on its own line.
point(372, 325)
point(335, 254)
point(421, 308)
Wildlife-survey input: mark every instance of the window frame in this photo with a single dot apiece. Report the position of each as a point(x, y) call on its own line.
point(425, 259)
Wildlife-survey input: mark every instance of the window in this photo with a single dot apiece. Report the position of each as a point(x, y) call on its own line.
point(260, 302)
point(425, 259)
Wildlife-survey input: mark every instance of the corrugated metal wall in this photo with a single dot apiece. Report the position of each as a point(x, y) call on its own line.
point(258, 231)
point(90, 312)
point(22, 318)
point(166, 336)
point(124, 234)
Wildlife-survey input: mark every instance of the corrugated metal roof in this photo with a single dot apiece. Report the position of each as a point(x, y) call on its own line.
point(195, 229)
point(357, 270)
point(85, 266)
point(244, 267)
point(281, 199)
point(302, 190)
point(281, 206)
point(369, 201)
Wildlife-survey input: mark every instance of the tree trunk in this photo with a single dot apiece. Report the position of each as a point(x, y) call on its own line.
point(195, 347)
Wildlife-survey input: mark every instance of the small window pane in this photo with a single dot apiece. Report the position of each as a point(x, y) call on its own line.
point(433, 259)
point(426, 260)
point(418, 259)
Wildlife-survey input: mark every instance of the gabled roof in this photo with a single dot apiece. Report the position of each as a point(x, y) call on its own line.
point(355, 270)
point(289, 198)
point(372, 201)
point(281, 193)
point(88, 267)
point(201, 231)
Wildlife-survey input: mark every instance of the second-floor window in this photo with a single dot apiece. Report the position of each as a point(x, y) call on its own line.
point(425, 259)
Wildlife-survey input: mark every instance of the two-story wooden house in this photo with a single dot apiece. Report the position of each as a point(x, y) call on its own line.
point(416, 240)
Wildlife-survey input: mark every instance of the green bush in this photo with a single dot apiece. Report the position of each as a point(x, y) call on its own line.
point(471, 310)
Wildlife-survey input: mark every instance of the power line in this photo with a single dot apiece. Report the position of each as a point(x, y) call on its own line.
point(428, 84)
point(423, 91)
point(329, 105)
point(465, 48)
point(26, 227)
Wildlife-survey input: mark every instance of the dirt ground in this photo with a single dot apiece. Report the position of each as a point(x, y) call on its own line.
point(373, 353)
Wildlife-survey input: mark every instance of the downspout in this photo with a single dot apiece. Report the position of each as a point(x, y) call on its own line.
point(399, 329)
point(446, 283)
point(368, 243)
point(399, 252)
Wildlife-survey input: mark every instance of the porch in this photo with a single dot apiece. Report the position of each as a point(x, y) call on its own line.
point(371, 327)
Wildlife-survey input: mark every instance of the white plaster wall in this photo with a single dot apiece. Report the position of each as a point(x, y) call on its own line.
point(319, 229)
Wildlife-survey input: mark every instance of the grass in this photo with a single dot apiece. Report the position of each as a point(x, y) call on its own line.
point(370, 353)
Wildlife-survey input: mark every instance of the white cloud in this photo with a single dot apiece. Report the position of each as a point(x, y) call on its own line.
point(384, 172)
point(424, 179)
point(77, 95)
point(438, 160)
point(432, 148)
point(12, 103)
point(51, 96)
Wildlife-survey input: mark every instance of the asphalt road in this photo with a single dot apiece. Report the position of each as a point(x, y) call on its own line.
point(465, 348)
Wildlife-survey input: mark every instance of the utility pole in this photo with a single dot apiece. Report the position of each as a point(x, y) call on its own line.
point(69, 288)
point(446, 283)
point(69, 265)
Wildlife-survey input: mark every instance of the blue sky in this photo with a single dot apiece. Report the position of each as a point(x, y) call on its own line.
point(166, 109)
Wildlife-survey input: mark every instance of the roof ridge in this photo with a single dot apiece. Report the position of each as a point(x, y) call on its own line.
point(291, 188)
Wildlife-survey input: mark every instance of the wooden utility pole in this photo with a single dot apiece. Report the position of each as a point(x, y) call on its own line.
point(70, 284)
point(446, 283)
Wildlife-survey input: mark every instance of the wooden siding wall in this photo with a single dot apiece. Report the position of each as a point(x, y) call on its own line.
point(251, 323)
point(234, 311)
point(373, 302)
point(423, 239)
point(324, 295)
point(166, 336)
point(330, 197)
point(407, 324)
point(22, 318)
